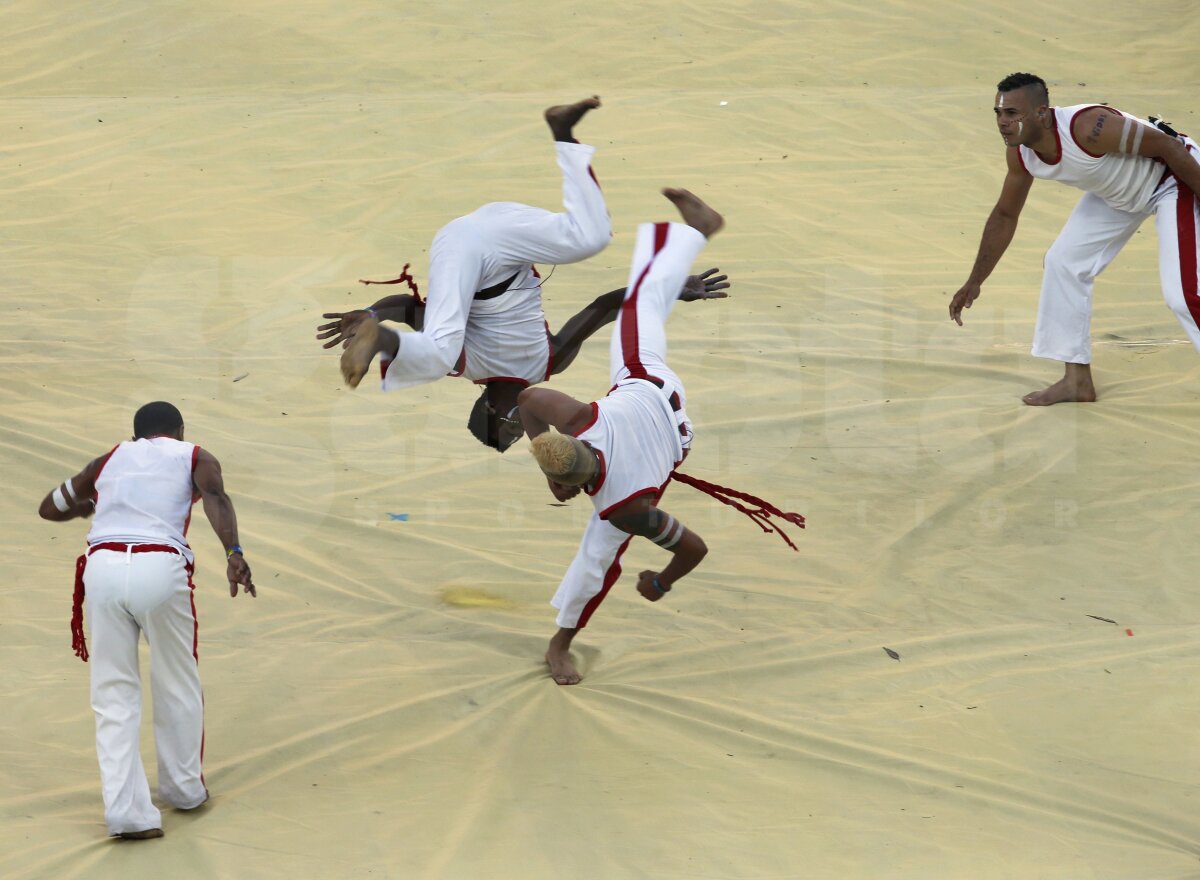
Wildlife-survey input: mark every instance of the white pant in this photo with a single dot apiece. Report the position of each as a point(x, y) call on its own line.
point(1091, 238)
point(129, 593)
point(662, 258)
point(484, 248)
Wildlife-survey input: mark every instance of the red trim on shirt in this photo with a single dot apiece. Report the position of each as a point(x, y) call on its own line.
point(521, 382)
point(103, 464)
point(1071, 128)
point(549, 353)
point(601, 477)
point(1057, 143)
point(595, 415)
point(650, 490)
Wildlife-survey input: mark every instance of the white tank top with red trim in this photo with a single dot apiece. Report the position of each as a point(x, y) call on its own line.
point(637, 440)
point(144, 493)
point(1126, 182)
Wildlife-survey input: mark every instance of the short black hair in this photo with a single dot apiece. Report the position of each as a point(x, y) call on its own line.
point(1015, 81)
point(154, 418)
point(482, 423)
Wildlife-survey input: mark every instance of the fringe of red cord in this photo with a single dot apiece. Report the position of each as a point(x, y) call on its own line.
point(404, 278)
point(77, 640)
point(761, 513)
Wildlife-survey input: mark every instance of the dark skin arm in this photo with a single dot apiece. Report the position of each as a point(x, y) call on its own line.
point(544, 408)
point(403, 308)
point(219, 509)
point(565, 344)
point(997, 233)
point(640, 517)
point(84, 484)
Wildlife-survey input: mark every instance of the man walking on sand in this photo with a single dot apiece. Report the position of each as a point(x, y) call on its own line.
point(137, 577)
point(1129, 169)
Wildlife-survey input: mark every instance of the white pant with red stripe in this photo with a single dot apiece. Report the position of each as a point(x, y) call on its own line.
point(662, 258)
point(127, 594)
point(1093, 235)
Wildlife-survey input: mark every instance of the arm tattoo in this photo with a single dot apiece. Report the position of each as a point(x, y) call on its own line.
point(1096, 130)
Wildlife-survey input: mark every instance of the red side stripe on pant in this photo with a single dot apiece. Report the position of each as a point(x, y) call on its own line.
point(610, 578)
point(629, 324)
point(1185, 216)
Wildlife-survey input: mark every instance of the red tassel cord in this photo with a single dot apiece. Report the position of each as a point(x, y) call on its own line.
point(404, 278)
point(77, 640)
point(761, 513)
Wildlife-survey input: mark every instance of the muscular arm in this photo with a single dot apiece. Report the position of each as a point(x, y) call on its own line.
point(218, 507)
point(565, 344)
point(78, 493)
point(997, 233)
point(545, 408)
point(1105, 131)
point(403, 308)
point(640, 517)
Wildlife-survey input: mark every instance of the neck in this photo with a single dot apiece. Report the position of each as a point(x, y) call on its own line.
point(1046, 143)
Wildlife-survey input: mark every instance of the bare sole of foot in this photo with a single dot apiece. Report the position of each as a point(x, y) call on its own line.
point(1061, 392)
point(562, 118)
point(361, 350)
point(562, 670)
point(695, 212)
point(147, 834)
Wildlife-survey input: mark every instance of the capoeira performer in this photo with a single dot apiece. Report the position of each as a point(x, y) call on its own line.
point(623, 449)
point(137, 576)
point(1129, 169)
point(494, 418)
point(483, 317)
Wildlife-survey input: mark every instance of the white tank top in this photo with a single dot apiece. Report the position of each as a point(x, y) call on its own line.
point(1125, 182)
point(144, 493)
point(635, 434)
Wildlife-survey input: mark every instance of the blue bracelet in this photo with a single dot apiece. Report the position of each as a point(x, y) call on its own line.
point(370, 310)
point(236, 548)
point(658, 586)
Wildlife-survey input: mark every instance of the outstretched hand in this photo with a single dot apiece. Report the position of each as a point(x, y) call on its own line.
point(342, 328)
point(706, 285)
point(966, 295)
point(238, 572)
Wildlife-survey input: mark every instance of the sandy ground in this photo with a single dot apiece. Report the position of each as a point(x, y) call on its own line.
point(187, 186)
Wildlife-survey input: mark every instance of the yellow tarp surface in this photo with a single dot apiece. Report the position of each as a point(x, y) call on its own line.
point(187, 186)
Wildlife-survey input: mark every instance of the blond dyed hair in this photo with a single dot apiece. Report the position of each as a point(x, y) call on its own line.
point(562, 458)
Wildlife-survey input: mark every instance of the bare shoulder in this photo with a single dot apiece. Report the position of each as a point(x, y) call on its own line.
point(1090, 125)
point(1012, 158)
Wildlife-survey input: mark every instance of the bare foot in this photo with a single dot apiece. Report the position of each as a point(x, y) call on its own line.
point(695, 212)
point(1074, 387)
point(562, 118)
point(562, 668)
point(360, 351)
point(147, 834)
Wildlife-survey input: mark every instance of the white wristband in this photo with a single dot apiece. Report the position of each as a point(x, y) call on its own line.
point(59, 501)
